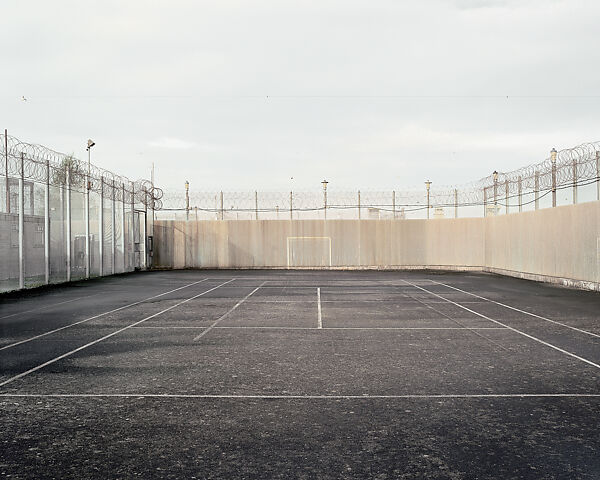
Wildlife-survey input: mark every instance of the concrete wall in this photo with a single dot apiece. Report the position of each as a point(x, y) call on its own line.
point(560, 244)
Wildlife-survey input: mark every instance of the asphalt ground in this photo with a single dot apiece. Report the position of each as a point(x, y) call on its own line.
point(300, 374)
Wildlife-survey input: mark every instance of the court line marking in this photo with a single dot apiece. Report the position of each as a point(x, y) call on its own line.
point(226, 314)
point(519, 310)
point(20, 342)
point(48, 306)
point(283, 327)
point(301, 397)
point(319, 315)
point(458, 322)
point(510, 328)
point(78, 349)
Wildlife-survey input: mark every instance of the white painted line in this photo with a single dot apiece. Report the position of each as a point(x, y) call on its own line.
point(519, 310)
point(226, 314)
point(68, 354)
point(47, 306)
point(300, 397)
point(509, 327)
point(283, 327)
point(319, 315)
point(98, 316)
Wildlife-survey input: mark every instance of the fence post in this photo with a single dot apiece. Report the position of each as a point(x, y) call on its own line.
point(495, 192)
point(68, 212)
point(132, 240)
point(22, 223)
point(537, 190)
point(597, 175)
point(553, 160)
point(47, 225)
point(485, 201)
point(144, 238)
point(256, 204)
point(520, 189)
point(87, 224)
point(359, 213)
point(455, 203)
point(222, 211)
point(101, 227)
point(506, 194)
point(6, 171)
point(124, 255)
point(187, 200)
point(112, 228)
point(574, 181)
point(394, 203)
point(291, 206)
point(428, 187)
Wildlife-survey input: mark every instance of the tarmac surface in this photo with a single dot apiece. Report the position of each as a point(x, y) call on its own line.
point(300, 374)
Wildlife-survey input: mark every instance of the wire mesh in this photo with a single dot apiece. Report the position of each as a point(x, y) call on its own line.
point(49, 232)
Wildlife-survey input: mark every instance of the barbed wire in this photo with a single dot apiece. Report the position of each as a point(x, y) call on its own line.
point(575, 166)
point(41, 164)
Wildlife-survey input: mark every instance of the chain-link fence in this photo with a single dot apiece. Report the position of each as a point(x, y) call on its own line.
point(567, 176)
point(64, 219)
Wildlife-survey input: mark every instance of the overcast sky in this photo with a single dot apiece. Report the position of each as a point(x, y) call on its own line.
point(244, 95)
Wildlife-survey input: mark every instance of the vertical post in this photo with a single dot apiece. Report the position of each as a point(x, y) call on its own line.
point(506, 194)
point(22, 223)
point(597, 175)
point(6, 171)
point(520, 194)
point(123, 253)
point(222, 211)
point(291, 206)
point(256, 204)
point(455, 203)
point(574, 181)
point(428, 187)
point(87, 224)
point(196, 213)
point(277, 211)
point(47, 225)
point(132, 236)
point(101, 227)
point(324, 183)
point(485, 201)
point(495, 192)
point(144, 239)
point(112, 229)
point(537, 190)
point(553, 160)
point(359, 209)
point(68, 219)
point(394, 203)
point(187, 200)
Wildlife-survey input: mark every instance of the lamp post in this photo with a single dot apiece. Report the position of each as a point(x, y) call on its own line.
point(90, 144)
point(428, 187)
point(324, 183)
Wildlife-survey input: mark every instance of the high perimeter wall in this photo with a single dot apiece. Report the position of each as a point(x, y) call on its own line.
point(557, 244)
